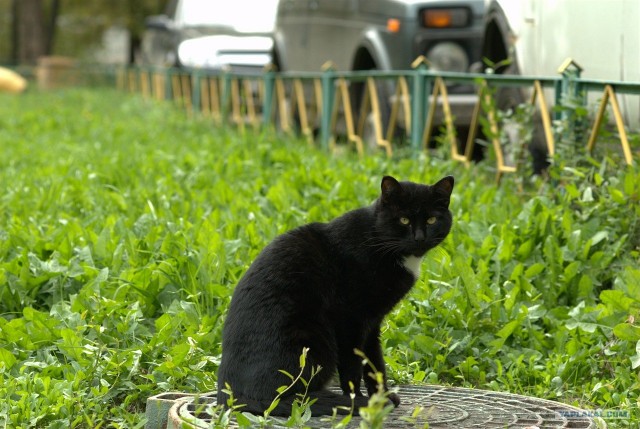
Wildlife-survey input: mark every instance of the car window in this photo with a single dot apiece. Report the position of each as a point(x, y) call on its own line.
point(242, 15)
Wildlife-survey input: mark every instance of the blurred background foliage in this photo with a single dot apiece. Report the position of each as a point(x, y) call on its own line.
point(30, 29)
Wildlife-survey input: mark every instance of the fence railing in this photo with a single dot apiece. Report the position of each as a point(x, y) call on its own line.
point(320, 105)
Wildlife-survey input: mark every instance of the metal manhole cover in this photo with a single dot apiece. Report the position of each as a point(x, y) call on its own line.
point(443, 407)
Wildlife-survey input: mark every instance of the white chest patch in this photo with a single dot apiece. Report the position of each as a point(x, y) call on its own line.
point(412, 264)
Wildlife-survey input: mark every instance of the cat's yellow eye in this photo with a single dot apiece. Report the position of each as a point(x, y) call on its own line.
point(405, 221)
point(431, 220)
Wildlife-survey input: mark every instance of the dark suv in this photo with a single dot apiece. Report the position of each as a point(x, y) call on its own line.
point(381, 35)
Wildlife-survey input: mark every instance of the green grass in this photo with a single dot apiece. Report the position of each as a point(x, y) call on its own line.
point(124, 227)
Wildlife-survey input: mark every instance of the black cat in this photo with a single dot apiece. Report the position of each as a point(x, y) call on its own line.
point(327, 286)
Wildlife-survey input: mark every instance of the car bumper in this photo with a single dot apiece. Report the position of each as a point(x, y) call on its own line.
point(462, 107)
point(237, 53)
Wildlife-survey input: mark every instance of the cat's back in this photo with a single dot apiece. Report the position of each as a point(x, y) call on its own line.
point(304, 246)
point(302, 267)
point(311, 249)
point(285, 274)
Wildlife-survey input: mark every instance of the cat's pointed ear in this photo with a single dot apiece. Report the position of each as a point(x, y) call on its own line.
point(390, 187)
point(444, 187)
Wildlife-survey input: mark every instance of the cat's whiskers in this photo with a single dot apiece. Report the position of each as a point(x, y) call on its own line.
point(388, 247)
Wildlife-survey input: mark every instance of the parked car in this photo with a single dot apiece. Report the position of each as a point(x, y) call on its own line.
point(211, 34)
point(534, 38)
point(381, 35)
point(537, 36)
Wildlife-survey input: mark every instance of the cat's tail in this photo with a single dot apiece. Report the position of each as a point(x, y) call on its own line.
point(324, 404)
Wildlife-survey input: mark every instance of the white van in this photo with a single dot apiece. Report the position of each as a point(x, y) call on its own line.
point(601, 36)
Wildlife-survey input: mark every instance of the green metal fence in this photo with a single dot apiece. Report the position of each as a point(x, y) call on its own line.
point(314, 104)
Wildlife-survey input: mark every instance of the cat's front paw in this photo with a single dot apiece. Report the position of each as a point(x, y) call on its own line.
point(391, 396)
point(394, 398)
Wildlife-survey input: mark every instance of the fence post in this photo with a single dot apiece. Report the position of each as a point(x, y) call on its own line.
point(328, 99)
point(571, 98)
point(421, 86)
point(195, 91)
point(226, 94)
point(168, 90)
point(269, 77)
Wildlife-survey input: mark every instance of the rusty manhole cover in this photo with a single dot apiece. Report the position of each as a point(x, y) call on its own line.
point(443, 407)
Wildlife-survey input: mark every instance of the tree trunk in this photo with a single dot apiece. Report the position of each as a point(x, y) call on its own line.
point(51, 28)
point(32, 42)
point(14, 32)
